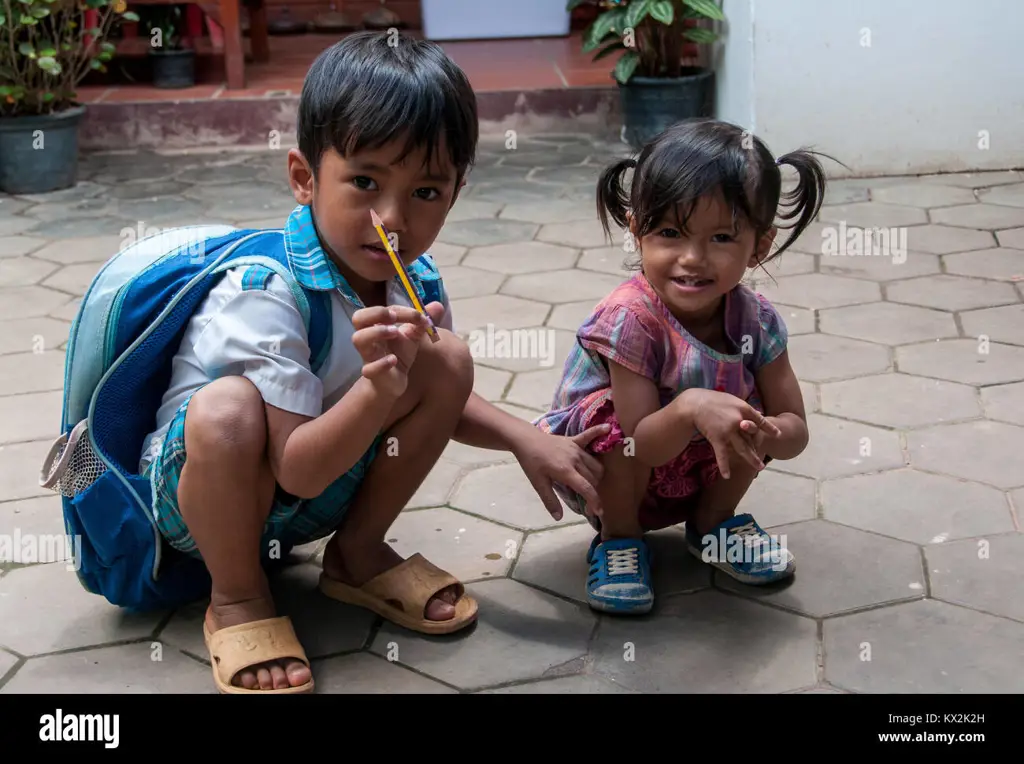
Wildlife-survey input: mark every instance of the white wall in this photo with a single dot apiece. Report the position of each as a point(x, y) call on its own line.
point(935, 74)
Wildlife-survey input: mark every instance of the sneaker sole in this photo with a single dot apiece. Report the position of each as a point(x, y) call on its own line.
point(746, 578)
point(619, 608)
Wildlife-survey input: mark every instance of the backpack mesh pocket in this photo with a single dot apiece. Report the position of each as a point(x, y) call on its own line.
point(72, 465)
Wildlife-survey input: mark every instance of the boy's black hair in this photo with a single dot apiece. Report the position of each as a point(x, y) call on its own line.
point(696, 157)
point(375, 87)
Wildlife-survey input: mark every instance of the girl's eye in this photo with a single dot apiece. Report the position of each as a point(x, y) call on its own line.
point(668, 232)
point(429, 191)
point(360, 180)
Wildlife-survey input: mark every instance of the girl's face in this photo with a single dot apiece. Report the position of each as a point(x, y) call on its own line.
point(691, 270)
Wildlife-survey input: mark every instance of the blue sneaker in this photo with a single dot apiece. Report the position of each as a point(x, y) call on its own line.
point(740, 548)
point(619, 580)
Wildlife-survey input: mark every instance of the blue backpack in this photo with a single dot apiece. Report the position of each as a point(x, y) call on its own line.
point(118, 365)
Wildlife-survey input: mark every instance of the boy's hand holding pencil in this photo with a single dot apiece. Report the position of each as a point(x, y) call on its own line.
point(388, 339)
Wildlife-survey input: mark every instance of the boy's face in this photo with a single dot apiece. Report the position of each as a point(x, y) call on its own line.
point(411, 199)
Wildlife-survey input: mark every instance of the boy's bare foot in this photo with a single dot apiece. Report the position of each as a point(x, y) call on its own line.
point(275, 675)
point(356, 567)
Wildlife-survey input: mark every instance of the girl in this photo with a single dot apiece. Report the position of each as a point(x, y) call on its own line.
point(687, 365)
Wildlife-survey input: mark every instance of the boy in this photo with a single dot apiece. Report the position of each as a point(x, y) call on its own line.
point(252, 448)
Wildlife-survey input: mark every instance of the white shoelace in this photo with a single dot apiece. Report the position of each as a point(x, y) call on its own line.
point(623, 562)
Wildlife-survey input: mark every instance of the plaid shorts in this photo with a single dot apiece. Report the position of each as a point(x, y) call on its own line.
point(291, 522)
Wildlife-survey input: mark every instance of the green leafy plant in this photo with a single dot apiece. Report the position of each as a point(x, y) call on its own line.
point(652, 33)
point(46, 51)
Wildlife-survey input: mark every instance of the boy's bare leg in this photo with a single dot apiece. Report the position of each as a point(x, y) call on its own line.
point(422, 422)
point(225, 494)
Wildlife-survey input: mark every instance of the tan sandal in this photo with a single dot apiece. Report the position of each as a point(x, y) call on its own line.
point(401, 595)
point(249, 644)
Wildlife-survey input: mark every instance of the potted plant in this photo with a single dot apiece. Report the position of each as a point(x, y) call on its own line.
point(656, 89)
point(173, 60)
point(46, 49)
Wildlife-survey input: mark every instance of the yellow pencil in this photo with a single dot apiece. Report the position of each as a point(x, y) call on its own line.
point(403, 274)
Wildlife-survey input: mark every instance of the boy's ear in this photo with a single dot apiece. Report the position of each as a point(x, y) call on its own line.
point(458, 188)
point(300, 177)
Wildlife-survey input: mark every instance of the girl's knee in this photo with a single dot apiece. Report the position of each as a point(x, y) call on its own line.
point(227, 415)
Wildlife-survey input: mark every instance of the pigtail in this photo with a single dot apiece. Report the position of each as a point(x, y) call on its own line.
point(612, 199)
point(806, 199)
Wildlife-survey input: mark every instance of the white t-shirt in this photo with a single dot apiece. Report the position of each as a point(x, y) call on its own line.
point(260, 335)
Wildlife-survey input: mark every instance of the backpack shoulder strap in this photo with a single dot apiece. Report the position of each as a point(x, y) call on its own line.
point(319, 327)
point(428, 281)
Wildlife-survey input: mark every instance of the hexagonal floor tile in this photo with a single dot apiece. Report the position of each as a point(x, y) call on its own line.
point(816, 290)
point(916, 506)
point(68, 311)
point(19, 246)
point(522, 350)
point(561, 286)
point(874, 571)
point(467, 547)
point(535, 389)
point(123, 670)
point(490, 384)
point(15, 226)
point(469, 209)
point(809, 391)
point(873, 214)
point(7, 662)
point(366, 674)
point(607, 260)
point(580, 175)
point(40, 521)
point(580, 233)
point(44, 608)
point(470, 456)
point(95, 249)
point(27, 302)
point(923, 195)
point(839, 448)
point(446, 255)
point(982, 179)
point(887, 323)
point(520, 634)
point(552, 211)
point(841, 192)
point(31, 373)
point(1011, 196)
point(511, 192)
point(980, 216)
point(504, 494)
point(967, 360)
point(776, 498)
point(568, 685)
point(945, 240)
point(789, 263)
point(1004, 403)
point(1002, 264)
point(1005, 324)
point(979, 573)
point(556, 561)
point(32, 335)
point(685, 647)
point(74, 279)
point(461, 282)
point(571, 315)
point(797, 320)
point(994, 449)
point(323, 626)
point(822, 358)
point(919, 648)
point(19, 469)
point(88, 227)
point(944, 292)
point(24, 271)
point(523, 257)
point(899, 400)
point(435, 490)
point(501, 311)
point(476, 233)
point(883, 269)
point(1013, 238)
point(80, 209)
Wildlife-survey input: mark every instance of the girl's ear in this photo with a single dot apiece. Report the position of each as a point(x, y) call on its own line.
point(763, 248)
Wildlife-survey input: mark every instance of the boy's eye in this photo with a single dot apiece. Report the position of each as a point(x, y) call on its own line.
point(428, 191)
point(722, 238)
point(359, 180)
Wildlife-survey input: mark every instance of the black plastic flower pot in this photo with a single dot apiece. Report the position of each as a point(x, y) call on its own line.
point(173, 68)
point(650, 105)
point(39, 154)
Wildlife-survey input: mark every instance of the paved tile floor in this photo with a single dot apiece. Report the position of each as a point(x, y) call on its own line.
point(904, 513)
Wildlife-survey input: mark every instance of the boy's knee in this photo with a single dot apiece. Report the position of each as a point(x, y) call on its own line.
point(449, 368)
point(228, 414)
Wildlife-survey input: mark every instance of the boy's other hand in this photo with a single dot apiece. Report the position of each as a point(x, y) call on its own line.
point(388, 340)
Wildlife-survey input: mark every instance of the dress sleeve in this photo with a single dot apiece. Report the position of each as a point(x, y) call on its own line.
point(619, 333)
point(773, 336)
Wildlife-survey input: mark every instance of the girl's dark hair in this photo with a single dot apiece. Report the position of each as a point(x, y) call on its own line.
point(696, 157)
point(372, 87)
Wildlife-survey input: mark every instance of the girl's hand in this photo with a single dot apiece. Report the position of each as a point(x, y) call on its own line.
point(724, 420)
